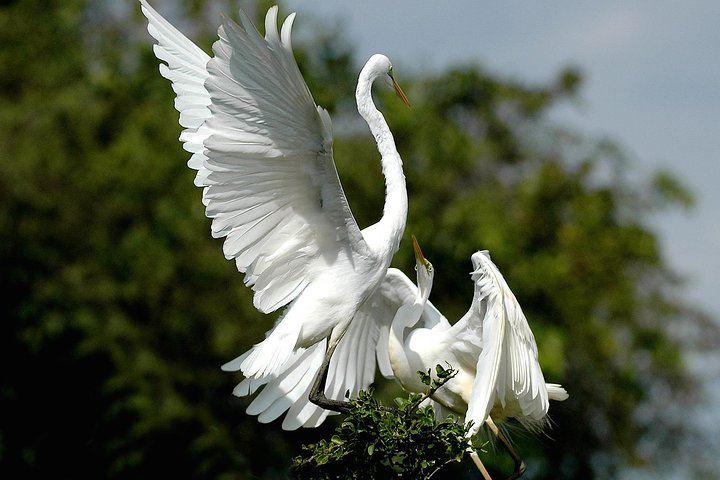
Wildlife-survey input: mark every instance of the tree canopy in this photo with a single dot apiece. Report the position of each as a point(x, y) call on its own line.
point(120, 307)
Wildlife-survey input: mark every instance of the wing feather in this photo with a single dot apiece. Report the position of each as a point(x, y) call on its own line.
point(186, 69)
point(352, 368)
point(364, 347)
point(281, 392)
point(507, 366)
point(262, 149)
point(377, 314)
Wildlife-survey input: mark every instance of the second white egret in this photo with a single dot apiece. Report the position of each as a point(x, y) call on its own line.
point(491, 347)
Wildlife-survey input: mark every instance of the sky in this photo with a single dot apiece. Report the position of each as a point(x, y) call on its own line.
point(652, 84)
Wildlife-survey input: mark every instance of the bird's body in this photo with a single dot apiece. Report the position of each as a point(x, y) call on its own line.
point(331, 300)
point(263, 151)
point(491, 347)
point(422, 350)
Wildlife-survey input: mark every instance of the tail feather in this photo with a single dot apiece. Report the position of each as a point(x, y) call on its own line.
point(234, 364)
point(557, 392)
point(281, 393)
point(286, 392)
point(269, 356)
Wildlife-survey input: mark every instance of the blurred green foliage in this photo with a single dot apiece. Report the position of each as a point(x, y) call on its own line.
point(119, 307)
point(376, 441)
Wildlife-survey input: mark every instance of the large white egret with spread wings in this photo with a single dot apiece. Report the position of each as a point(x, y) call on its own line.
point(263, 151)
point(491, 347)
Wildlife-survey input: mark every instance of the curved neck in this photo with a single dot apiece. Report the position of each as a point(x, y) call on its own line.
point(396, 202)
point(406, 316)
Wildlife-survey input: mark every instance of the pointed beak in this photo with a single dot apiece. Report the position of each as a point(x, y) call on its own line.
point(418, 253)
point(399, 92)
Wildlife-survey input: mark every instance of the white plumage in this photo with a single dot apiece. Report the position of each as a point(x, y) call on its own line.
point(491, 347)
point(263, 153)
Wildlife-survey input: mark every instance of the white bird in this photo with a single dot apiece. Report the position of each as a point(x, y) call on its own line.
point(263, 151)
point(491, 347)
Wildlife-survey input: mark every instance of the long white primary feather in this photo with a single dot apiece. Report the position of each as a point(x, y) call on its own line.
point(185, 68)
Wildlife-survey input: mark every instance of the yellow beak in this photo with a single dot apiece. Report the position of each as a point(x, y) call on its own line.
point(399, 92)
point(418, 253)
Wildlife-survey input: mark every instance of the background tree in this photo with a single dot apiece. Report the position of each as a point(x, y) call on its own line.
point(120, 307)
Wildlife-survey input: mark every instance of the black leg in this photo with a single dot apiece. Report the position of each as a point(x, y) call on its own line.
point(317, 392)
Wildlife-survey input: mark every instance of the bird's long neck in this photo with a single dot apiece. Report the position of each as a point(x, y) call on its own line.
point(406, 373)
point(392, 223)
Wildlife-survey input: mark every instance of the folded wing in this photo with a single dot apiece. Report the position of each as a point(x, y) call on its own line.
point(507, 366)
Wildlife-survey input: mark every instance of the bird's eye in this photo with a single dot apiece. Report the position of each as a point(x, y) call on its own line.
point(416, 268)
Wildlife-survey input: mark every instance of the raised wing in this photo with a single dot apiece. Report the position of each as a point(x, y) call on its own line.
point(508, 371)
point(186, 69)
point(263, 152)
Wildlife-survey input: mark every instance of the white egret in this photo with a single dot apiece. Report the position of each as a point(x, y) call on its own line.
point(263, 151)
point(491, 347)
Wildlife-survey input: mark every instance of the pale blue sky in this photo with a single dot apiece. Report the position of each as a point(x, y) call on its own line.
point(652, 71)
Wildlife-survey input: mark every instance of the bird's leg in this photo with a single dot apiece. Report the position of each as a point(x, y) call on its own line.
point(317, 392)
point(478, 463)
point(519, 464)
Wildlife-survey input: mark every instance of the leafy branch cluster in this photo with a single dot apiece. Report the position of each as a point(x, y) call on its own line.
point(377, 441)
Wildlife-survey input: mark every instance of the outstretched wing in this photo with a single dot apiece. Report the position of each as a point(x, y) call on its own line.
point(507, 366)
point(185, 67)
point(352, 368)
point(263, 153)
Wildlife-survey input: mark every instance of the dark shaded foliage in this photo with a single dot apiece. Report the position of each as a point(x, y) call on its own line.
point(375, 441)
